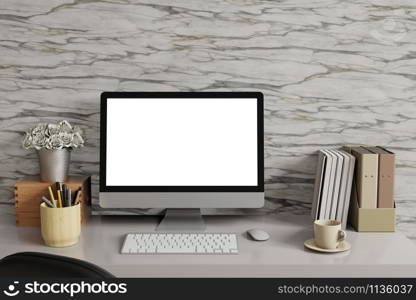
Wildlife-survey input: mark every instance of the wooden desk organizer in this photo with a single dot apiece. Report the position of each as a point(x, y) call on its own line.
point(29, 191)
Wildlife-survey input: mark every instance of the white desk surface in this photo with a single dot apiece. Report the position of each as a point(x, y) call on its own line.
point(372, 254)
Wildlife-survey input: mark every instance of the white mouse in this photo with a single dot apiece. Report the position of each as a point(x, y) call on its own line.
point(258, 234)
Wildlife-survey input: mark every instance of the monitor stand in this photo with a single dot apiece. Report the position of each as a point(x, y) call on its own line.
point(185, 220)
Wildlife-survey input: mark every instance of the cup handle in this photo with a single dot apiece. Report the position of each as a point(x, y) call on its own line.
point(341, 235)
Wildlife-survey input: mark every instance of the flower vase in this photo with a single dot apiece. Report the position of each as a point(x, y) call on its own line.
point(54, 164)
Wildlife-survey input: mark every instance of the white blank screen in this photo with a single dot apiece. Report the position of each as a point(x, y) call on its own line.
point(181, 142)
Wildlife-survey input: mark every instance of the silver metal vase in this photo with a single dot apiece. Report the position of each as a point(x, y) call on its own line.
point(54, 164)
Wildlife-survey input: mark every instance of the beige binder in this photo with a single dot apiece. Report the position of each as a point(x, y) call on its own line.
point(386, 167)
point(366, 177)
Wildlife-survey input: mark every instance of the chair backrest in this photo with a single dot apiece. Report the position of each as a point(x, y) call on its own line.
point(42, 265)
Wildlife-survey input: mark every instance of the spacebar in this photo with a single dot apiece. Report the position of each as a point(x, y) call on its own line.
point(175, 250)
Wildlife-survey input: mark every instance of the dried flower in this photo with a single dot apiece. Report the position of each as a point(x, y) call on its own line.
point(65, 126)
point(52, 129)
point(78, 140)
point(54, 142)
point(53, 136)
point(39, 140)
point(66, 138)
point(40, 128)
point(77, 129)
point(27, 140)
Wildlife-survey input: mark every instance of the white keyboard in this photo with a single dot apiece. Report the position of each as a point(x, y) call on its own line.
point(180, 243)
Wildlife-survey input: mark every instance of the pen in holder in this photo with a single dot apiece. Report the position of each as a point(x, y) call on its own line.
point(60, 226)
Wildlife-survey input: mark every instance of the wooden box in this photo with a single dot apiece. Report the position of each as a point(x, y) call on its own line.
point(29, 191)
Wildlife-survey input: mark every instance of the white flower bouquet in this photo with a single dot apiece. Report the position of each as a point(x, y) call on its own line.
point(53, 136)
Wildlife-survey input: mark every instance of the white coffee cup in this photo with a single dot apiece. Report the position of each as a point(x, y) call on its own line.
point(328, 233)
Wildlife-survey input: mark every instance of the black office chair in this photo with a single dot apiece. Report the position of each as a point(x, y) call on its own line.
point(42, 265)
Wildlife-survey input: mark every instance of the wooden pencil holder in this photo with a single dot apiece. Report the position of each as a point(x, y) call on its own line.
point(61, 227)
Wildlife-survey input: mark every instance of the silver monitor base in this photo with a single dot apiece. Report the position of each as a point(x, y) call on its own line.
point(185, 220)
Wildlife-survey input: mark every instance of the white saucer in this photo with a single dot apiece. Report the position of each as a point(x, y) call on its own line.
point(343, 246)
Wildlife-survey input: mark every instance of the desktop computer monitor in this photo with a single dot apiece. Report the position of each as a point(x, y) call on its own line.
point(182, 151)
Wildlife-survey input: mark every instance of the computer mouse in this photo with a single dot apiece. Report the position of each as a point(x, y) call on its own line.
point(258, 234)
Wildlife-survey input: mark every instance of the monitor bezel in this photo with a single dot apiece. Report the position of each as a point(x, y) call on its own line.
point(103, 142)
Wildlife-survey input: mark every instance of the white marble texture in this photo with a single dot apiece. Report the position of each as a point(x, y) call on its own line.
point(332, 72)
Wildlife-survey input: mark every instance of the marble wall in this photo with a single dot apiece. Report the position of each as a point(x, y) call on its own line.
point(332, 72)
